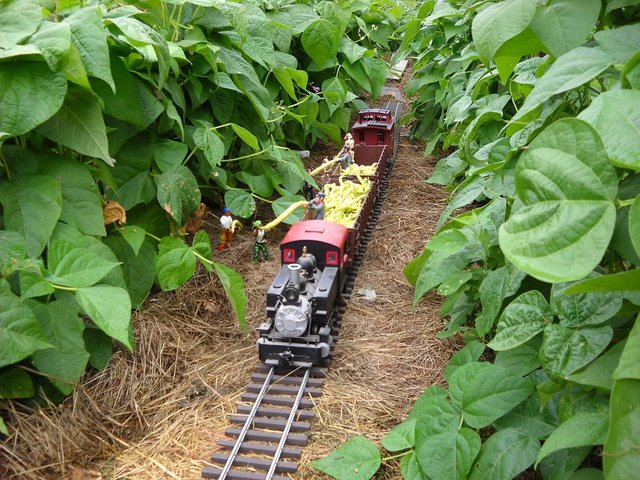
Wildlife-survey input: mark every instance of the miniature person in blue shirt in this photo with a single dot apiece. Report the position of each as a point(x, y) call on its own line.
point(316, 207)
point(344, 157)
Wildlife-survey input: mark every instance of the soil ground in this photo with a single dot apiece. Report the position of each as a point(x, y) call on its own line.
point(157, 413)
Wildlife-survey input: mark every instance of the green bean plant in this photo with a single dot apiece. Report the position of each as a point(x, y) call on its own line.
point(118, 118)
point(534, 107)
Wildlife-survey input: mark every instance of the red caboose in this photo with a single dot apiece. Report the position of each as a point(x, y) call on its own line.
point(374, 126)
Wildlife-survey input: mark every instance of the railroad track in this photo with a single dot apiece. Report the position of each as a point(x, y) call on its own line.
point(274, 418)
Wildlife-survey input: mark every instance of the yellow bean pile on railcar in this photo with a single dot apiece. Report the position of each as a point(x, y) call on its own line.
point(344, 199)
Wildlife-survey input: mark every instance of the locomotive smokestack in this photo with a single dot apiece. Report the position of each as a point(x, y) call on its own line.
point(294, 274)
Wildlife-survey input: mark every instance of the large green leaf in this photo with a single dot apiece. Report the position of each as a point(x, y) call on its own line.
point(30, 94)
point(139, 189)
point(499, 22)
point(13, 248)
point(443, 262)
point(96, 247)
point(471, 352)
point(138, 264)
point(16, 383)
point(210, 144)
point(532, 418)
point(599, 373)
point(580, 430)
point(411, 469)
point(54, 41)
point(33, 284)
point(321, 40)
point(110, 309)
point(175, 263)
point(614, 282)
point(75, 266)
point(18, 20)
point(240, 202)
point(20, 331)
point(178, 193)
point(565, 350)
point(521, 360)
point(32, 206)
point(168, 153)
point(259, 184)
point(568, 188)
point(523, 319)
point(81, 201)
point(485, 392)
point(79, 125)
point(616, 117)
point(449, 455)
point(620, 458)
point(89, 37)
point(628, 366)
point(634, 224)
point(233, 285)
point(356, 459)
point(99, 345)
point(569, 71)
point(495, 287)
point(621, 43)
point(246, 136)
point(401, 436)
point(133, 100)
point(504, 455)
point(579, 310)
point(562, 27)
point(65, 362)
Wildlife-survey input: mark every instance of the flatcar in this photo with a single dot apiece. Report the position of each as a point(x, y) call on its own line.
point(316, 257)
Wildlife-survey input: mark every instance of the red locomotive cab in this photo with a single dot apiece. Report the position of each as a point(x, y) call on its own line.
point(327, 241)
point(375, 126)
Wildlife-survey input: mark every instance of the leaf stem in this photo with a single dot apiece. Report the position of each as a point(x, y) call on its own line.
point(398, 455)
point(60, 287)
point(625, 203)
point(5, 163)
point(202, 258)
point(226, 160)
point(260, 198)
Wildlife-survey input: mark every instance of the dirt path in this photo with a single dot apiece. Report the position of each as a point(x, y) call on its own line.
point(156, 414)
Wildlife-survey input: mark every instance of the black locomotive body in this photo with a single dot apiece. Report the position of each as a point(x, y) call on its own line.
point(316, 257)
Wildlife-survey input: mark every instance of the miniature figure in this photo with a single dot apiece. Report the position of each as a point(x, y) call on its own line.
point(351, 143)
point(228, 228)
point(260, 245)
point(315, 208)
point(344, 157)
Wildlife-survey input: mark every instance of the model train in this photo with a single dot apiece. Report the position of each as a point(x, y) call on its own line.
point(317, 255)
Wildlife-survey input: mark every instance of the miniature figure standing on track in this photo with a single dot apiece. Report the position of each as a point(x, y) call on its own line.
point(260, 246)
point(228, 228)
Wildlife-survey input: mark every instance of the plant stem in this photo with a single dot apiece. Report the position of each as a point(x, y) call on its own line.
point(4, 163)
point(60, 287)
point(625, 203)
point(203, 259)
point(393, 457)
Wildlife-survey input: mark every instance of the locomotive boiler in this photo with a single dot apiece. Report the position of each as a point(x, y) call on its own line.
point(316, 257)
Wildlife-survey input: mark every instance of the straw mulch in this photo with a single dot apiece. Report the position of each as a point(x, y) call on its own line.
point(157, 413)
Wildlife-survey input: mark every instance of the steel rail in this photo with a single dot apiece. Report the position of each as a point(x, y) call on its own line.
point(247, 424)
point(285, 433)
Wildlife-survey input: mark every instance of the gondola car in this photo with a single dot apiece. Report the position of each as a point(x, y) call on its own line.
point(316, 257)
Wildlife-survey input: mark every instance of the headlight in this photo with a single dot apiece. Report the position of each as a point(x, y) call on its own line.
point(291, 320)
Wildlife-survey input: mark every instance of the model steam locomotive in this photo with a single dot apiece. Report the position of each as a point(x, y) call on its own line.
point(317, 255)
